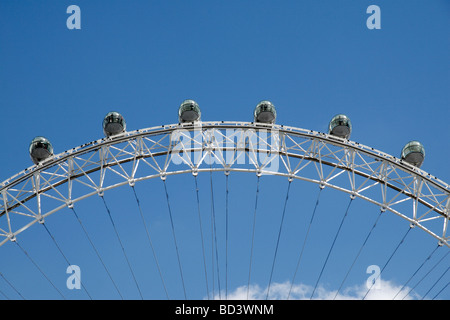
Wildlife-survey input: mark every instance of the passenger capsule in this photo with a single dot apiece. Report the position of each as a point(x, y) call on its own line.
point(414, 153)
point(340, 126)
point(113, 124)
point(265, 112)
point(189, 111)
point(40, 149)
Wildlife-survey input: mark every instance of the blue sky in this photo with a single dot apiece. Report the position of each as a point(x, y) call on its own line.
point(312, 59)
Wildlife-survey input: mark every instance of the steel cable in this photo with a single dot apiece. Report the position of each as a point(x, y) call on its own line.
point(13, 287)
point(435, 283)
point(331, 248)
point(175, 239)
point(65, 257)
point(429, 271)
point(359, 253)
point(39, 269)
point(96, 252)
point(201, 235)
point(387, 262)
point(122, 247)
point(415, 272)
point(278, 238)
point(253, 236)
point(150, 241)
point(304, 242)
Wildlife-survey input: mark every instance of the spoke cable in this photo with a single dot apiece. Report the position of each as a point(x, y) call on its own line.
point(39, 269)
point(226, 239)
point(441, 289)
point(122, 247)
point(3, 294)
point(332, 245)
point(64, 256)
point(150, 241)
point(96, 252)
point(201, 235)
point(253, 236)
point(278, 239)
point(304, 242)
point(175, 239)
point(214, 231)
point(13, 287)
point(429, 271)
point(435, 283)
point(358, 254)
point(387, 262)
point(417, 270)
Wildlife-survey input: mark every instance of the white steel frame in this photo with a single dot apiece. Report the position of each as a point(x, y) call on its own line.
point(361, 171)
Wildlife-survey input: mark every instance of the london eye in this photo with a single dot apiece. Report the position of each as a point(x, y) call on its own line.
point(238, 150)
point(59, 182)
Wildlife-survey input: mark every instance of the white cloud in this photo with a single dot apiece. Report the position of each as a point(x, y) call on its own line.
point(280, 291)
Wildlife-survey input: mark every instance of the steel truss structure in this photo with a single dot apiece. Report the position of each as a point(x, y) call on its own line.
point(91, 169)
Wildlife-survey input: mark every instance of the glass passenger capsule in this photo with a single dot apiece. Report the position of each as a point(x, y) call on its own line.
point(189, 111)
point(40, 149)
point(340, 126)
point(113, 124)
point(414, 153)
point(265, 112)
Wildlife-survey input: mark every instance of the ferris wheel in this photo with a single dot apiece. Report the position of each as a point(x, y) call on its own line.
point(209, 154)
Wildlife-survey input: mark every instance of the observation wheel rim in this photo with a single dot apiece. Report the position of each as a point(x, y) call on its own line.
point(168, 129)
